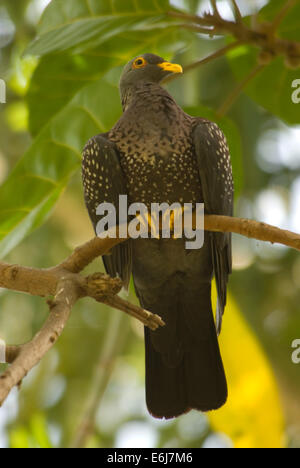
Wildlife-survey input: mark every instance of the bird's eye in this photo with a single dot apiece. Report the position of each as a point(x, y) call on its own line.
point(139, 63)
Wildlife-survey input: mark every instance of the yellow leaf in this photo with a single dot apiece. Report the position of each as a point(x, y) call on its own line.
point(253, 416)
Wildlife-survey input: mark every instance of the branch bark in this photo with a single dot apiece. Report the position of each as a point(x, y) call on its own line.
point(252, 229)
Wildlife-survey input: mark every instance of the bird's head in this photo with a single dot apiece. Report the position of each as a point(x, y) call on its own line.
point(147, 68)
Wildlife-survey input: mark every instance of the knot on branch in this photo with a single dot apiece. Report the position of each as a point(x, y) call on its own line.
point(100, 286)
point(11, 353)
point(11, 272)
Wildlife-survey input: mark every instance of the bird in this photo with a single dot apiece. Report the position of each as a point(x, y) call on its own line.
point(156, 153)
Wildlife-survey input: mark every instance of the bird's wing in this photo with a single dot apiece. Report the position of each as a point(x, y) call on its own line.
point(215, 172)
point(103, 181)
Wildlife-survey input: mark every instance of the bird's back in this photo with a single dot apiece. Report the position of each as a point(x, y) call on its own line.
point(158, 154)
point(154, 139)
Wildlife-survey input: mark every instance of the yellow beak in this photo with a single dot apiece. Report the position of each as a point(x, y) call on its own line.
point(171, 67)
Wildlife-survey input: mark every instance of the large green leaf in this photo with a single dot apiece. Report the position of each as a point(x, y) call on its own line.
point(83, 25)
point(68, 99)
point(58, 77)
point(272, 87)
point(38, 179)
point(56, 80)
point(290, 25)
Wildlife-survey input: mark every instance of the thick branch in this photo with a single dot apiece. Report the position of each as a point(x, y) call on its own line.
point(34, 281)
point(31, 353)
point(41, 282)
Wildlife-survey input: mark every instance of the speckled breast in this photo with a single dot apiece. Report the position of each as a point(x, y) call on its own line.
point(158, 167)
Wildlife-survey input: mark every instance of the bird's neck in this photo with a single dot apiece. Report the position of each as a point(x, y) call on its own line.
point(126, 98)
point(143, 93)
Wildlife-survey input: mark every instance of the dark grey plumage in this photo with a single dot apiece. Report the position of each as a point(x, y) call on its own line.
point(157, 153)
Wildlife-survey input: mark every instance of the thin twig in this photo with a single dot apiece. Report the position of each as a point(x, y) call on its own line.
point(219, 53)
point(215, 8)
point(114, 341)
point(282, 14)
point(150, 320)
point(237, 12)
point(253, 230)
point(229, 101)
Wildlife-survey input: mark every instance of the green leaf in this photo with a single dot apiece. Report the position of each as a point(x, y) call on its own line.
point(84, 25)
point(16, 223)
point(290, 26)
point(68, 102)
point(233, 138)
point(56, 80)
point(59, 77)
point(272, 87)
point(40, 176)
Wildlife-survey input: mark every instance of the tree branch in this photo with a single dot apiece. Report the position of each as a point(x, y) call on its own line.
point(262, 35)
point(282, 14)
point(219, 53)
point(87, 253)
point(252, 229)
point(259, 35)
point(215, 9)
point(237, 12)
point(36, 282)
point(147, 318)
point(67, 286)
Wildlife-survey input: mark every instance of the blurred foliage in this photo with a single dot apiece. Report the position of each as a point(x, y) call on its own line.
point(272, 87)
point(63, 90)
point(253, 393)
